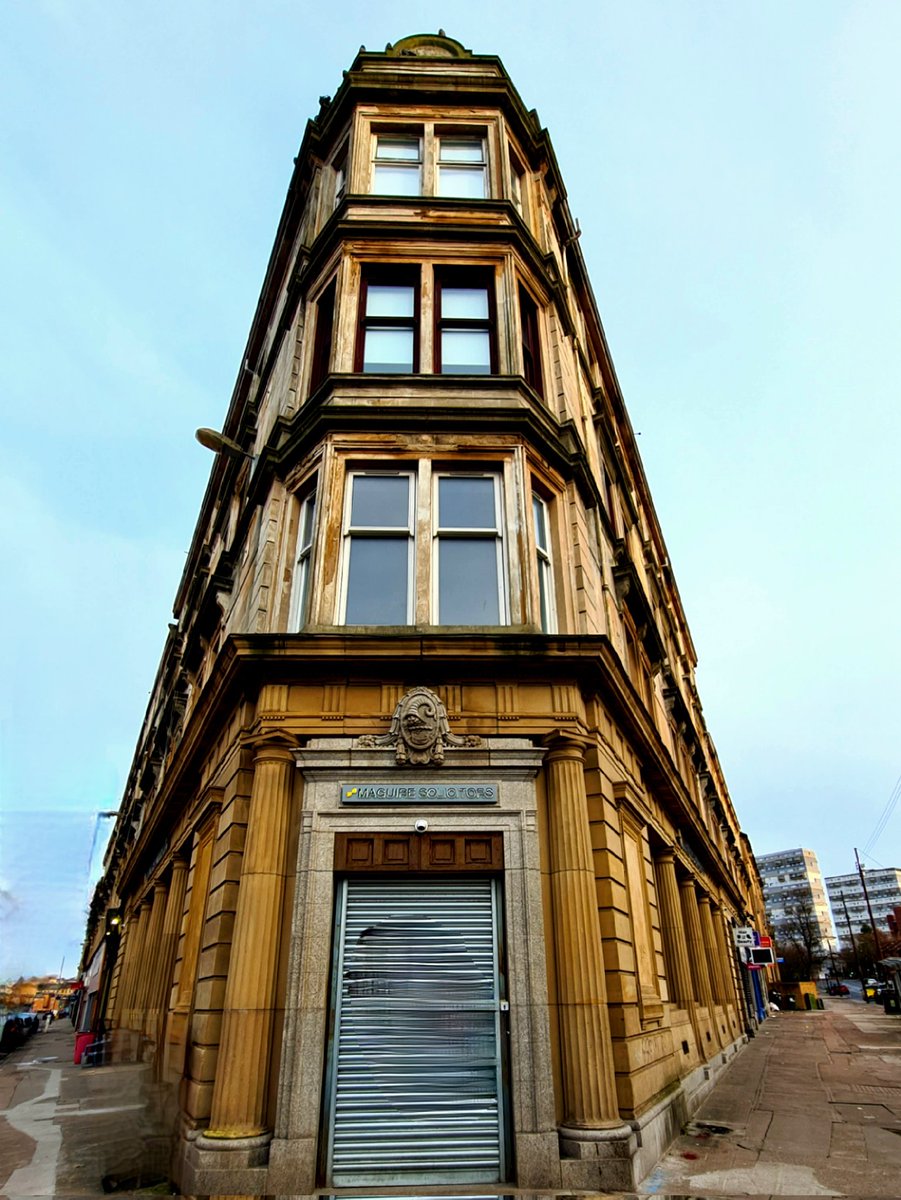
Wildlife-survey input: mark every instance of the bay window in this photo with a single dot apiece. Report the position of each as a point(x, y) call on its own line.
point(430, 160)
point(390, 319)
point(449, 571)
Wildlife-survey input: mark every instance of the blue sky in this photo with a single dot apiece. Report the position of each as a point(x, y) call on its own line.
point(736, 173)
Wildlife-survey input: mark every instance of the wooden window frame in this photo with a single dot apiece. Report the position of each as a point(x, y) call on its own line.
point(323, 335)
point(384, 275)
point(530, 330)
point(451, 277)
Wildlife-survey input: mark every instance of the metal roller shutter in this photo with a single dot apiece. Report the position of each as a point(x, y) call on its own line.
point(416, 1090)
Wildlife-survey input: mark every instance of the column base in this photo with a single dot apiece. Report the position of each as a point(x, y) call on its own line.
point(224, 1165)
point(598, 1158)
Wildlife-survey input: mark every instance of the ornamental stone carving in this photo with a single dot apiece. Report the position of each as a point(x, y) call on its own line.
point(419, 731)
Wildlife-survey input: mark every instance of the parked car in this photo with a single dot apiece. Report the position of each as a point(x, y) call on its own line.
point(838, 989)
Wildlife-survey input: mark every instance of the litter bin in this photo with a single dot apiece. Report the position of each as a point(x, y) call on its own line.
point(790, 1003)
point(809, 1000)
point(891, 1003)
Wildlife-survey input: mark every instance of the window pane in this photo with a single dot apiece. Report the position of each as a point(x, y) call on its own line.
point(544, 589)
point(380, 502)
point(396, 180)
point(540, 527)
point(388, 350)
point(466, 503)
point(307, 515)
point(406, 148)
point(465, 352)
point(467, 150)
point(464, 304)
point(467, 182)
point(467, 582)
point(377, 581)
point(389, 300)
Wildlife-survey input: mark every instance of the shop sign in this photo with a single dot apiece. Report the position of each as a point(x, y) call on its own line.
point(419, 793)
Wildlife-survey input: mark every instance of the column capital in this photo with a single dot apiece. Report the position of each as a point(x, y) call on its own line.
point(563, 744)
point(272, 745)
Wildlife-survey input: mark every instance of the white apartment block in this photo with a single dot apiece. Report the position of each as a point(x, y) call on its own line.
point(884, 888)
point(790, 877)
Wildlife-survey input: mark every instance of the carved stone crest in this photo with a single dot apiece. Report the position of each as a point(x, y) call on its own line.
point(419, 730)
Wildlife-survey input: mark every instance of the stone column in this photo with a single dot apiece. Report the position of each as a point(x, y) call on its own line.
point(150, 952)
point(712, 951)
point(589, 1094)
point(727, 958)
point(239, 1108)
point(137, 938)
point(715, 971)
point(673, 929)
point(696, 955)
point(162, 980)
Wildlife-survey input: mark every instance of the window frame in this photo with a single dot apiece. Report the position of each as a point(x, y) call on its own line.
point(371, 532)
point(304, 554)
point(530, 341)
point(400, 275)
point(442, 534)
point(425, 537)
point(544, 562)
point(397, 134)
point(323, 335)
point(447, 277)
point(473, 167)
point(429, 134)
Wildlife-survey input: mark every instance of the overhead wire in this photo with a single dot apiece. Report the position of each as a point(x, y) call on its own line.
point(883, 819)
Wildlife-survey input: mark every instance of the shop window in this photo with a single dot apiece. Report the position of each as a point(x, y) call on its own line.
point(465, 334)
point(388, 341)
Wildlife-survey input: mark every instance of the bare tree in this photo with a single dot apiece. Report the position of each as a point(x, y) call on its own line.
point(800, 941)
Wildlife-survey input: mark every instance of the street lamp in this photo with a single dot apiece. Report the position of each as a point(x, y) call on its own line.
point(213, 440)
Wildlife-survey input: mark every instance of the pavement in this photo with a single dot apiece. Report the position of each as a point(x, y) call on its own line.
point(68, 1130)
point(810, 1107)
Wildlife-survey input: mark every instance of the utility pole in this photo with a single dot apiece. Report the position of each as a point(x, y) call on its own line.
point(866, 896)
point(841, 897)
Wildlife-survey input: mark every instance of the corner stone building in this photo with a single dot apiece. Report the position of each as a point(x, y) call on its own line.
point(426, 867)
